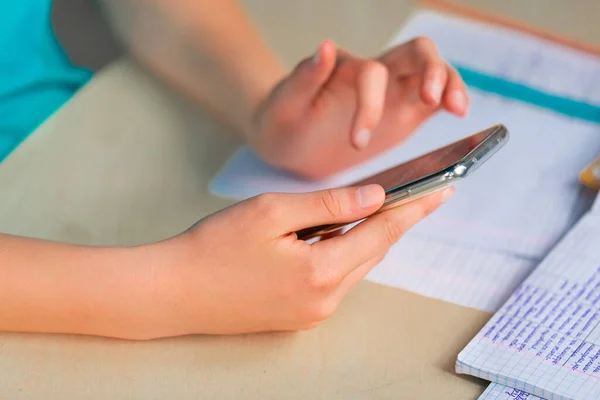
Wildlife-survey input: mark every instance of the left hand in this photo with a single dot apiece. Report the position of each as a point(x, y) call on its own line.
point(336, 110)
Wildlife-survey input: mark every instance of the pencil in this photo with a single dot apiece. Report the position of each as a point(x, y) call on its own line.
point(591, 175)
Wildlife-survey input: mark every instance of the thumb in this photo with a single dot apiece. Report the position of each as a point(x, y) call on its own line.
point(331, 206)
point(307, 79)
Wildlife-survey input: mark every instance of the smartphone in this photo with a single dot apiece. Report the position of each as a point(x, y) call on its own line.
point(428, 173)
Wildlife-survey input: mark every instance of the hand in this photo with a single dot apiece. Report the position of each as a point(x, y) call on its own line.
point(244, 270)
point(336, 110)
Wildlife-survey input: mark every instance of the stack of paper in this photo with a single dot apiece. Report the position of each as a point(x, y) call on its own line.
point(479, 246)
point(545, 340)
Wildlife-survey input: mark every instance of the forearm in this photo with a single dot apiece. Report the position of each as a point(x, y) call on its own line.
point(208, 49)
point(59, 288)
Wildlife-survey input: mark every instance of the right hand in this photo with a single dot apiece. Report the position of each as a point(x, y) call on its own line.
point(353, 107)
point(244, 270)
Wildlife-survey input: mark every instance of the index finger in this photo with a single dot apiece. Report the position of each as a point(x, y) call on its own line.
point(420, 57)
point(376, 235)
point(410, 58)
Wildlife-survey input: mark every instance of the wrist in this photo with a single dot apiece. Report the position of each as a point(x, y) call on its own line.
point(172, 304)
point(124, 293)
point(258, 103)
point(120, 292)
point(156, 304)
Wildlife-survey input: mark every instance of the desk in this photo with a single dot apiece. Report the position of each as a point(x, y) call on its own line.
point(127, 162)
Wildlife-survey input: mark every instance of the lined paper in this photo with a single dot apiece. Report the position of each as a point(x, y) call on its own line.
point(545, 340)
point(496, 391)
point(419, 264)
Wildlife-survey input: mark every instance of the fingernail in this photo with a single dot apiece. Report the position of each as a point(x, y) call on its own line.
point(459, 99)
point(447, 194)
point(435, 90)
point(362, 138)
point(369, 196)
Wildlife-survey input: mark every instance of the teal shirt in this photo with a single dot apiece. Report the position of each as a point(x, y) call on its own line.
point(36, 76)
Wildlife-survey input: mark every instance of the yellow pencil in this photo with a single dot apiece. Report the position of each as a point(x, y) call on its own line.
point(591, 175)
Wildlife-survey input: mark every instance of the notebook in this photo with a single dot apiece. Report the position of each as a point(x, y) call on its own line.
point(508, 215)
point(545, 340)
point(496, 391)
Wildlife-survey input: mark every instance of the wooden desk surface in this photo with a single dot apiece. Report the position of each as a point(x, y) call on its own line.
point(128, 162)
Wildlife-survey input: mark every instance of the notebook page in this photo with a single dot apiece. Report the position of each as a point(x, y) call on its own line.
point(503, 52)
point(545, 340)
point(496, 391)
point(419, 264)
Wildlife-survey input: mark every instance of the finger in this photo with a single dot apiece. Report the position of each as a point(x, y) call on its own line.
point(287, 213)
point(433, 82)
point(420, 56)
point(371, 88)
point(308, 78)
point(410, 57)
point(356, 276)
point(377, 234)
point(455, 98)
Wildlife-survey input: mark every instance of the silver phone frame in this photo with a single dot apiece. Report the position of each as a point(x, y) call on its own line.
point(411, 191)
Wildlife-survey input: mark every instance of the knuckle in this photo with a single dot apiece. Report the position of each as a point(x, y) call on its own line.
point(374, 66)
point(424, 42)
point(321, 311)
point(438, 67)
point(376, 74)
point(394, 230)
point(436, 70)
point(267, 206)
point(318, 280)
point(332, 203)
point(283, 116)
point(370, 114)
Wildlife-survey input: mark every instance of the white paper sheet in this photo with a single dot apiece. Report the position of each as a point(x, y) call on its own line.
point(517, 206)
point(422, 265)
point(510, 54)
point(596, 205)
point(545, 340)
point(522, 201)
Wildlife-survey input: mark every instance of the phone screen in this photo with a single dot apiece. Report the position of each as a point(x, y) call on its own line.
point(427, 164)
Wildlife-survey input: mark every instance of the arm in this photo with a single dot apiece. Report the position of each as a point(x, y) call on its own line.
point(193, 283)
point(59, 288)
point(331, 103)
point(207, 49)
